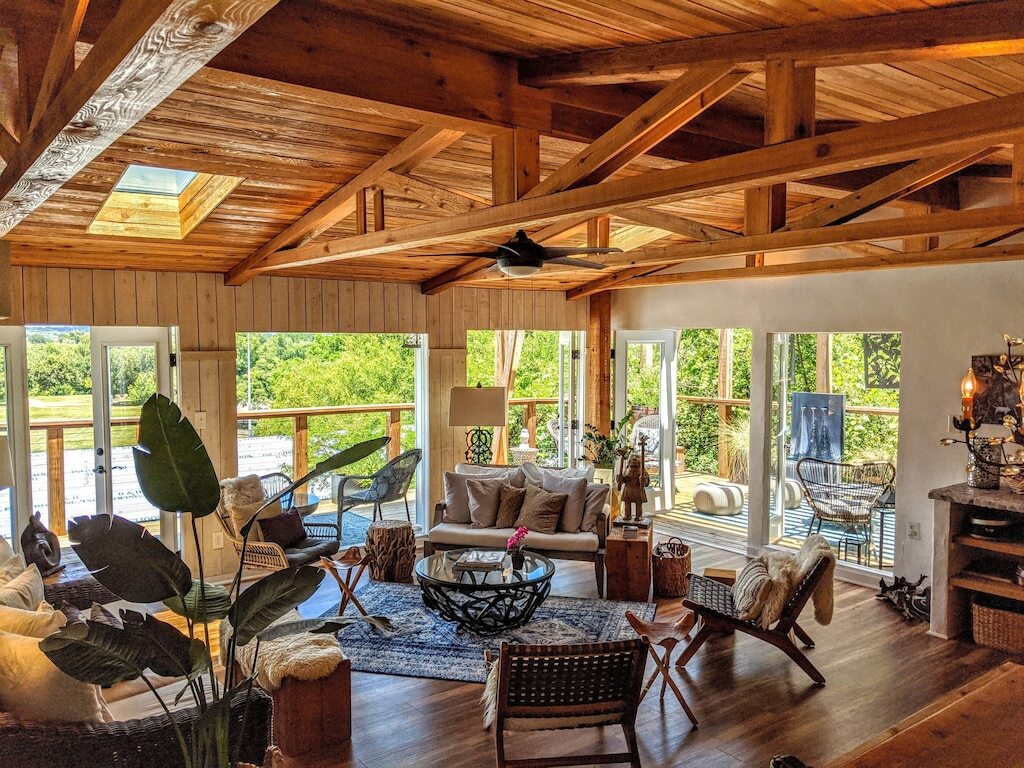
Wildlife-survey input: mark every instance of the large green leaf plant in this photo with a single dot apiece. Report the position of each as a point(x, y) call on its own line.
point(176, 475)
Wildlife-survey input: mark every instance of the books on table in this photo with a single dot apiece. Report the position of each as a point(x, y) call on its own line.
point(480, 560)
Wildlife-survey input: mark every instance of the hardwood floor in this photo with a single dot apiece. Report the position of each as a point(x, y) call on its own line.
point(752, 702)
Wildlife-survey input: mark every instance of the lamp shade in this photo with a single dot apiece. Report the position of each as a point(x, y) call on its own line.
point(477, 407)
point(6, 466)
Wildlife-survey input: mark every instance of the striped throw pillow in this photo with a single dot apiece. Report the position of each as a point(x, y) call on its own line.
point(751, 589)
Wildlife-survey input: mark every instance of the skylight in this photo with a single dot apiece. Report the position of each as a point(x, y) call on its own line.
point(155, 181)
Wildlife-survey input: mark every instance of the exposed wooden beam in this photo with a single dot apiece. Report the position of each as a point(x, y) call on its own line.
point(598, 374)
point(61, 59)
point(420, 145)
point(8, 144)
point(378, 209)
point(148, 51)
point(977, 29)
point(645, 127)
point(1016, 196)
point(965, 128)
point(695, 230)
point(857, 232)
point(898, 184)
point(990, 254)
point(435, 195)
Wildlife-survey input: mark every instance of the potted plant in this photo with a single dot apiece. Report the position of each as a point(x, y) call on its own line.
point(602, 451)
point(515, 545)
point(176, 475)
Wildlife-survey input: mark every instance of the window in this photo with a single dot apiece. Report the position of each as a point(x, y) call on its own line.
point(162, 203)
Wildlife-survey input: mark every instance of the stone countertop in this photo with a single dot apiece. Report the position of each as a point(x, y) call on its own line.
point(962, 493)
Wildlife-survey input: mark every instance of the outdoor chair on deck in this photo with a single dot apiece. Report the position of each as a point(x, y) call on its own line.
point(711, 602)
point(274, 483)
point(649, 427)
point(389, 483)
point(845, 495)
point(551, 687)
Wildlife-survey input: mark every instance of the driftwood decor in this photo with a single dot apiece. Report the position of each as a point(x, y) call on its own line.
point(391, 547)
point(912, 602)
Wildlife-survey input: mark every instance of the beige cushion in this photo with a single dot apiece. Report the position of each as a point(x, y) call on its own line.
point(596, 500)
point(575, 491)
point(39, 623)
point(32, 688)
point(751, 589)
point(510, 503)
point(541, 510)
point(484, 494)
point(144, 704)
point(23, 591)
point(464, 535)
point(10, 568)
point(535, 474)
point(6, 550)
point(511, 475)
point(456, 499)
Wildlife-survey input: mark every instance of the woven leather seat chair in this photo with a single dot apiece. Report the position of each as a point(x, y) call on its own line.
point(712, 604)
point(145, 743)
point(551, 687)
point(389, 483)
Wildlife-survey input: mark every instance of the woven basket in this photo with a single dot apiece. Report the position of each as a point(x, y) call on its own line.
point(997, 628)
point(671, 563)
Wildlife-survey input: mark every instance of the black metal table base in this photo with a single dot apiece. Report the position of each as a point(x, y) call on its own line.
point(482, 609)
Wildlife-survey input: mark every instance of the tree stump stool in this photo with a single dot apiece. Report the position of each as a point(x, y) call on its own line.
point(391, 548)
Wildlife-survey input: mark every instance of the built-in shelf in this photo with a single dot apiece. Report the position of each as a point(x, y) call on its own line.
point(990, 586)
point(1015, 548)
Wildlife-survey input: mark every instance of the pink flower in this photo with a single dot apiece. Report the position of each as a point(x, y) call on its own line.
point(516, 540)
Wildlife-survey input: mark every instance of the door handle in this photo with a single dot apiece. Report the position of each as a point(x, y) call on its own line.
point(100, 470)
point(118, 467)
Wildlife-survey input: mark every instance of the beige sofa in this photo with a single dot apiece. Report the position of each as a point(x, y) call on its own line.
point(584, 545)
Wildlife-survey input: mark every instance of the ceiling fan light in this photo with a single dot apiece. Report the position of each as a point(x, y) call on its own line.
point(519, 270)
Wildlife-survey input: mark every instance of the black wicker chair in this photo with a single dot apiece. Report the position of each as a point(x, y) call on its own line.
point(146, 743)
point(389, 483)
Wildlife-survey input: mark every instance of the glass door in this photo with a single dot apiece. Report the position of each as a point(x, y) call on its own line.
point(15, 501)
point(570, 385)
point(129, 365)
point(645, 380)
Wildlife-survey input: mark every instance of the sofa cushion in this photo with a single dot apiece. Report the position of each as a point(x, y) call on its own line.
point(10, 568)
point(511, 475)
point(23, 591)
point(510, 503)
point(310, 550)
point(535, 474)
point(541, 510)
point(575, 490)
point(6, 550)
point(484, 496)
point(463, 535)
point(456, 499)
point(39, 623)
point(596, 500)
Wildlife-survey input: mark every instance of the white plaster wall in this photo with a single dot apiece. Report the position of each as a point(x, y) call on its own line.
point(945, 314)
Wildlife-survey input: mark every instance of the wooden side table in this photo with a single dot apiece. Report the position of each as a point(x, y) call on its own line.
point(628, 565)
point(391, 548)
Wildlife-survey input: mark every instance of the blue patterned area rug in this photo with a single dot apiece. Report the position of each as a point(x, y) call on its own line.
point(424, 645)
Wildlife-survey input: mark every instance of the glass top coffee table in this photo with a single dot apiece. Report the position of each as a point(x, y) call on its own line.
point(484, 602)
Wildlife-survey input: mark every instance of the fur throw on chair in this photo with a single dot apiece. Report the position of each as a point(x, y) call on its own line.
point(814, 548)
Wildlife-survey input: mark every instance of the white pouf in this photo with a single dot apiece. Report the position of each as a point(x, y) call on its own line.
point(718, 498)
point(794, 494)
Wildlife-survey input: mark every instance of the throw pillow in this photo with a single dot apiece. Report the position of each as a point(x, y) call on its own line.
point(510, 504)
point(6, 550)
point(511, 475)
point(535, 474)
point(751, 589)
point(240, 516)
point(484, 496)
point(239, 491)
point(456, 499)
point(575, 490)
point(285, 530)
point(32, 688)
point(24, 591)
point(10, 568)
point(39, 623)
point(541, 510)
point(597, 497)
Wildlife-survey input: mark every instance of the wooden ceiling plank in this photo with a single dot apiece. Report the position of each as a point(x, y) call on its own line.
point(149, 50)
point(892, 187)
point(966, 128)
point(61, 60)
point(435, 195)
point(680, 225)
point(423, 143)
point(664, 113)
point(990, 254)
point(974, 30)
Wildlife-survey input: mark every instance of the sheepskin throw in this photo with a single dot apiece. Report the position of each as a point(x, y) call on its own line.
point(302, 657)
point(781, 583)
point(814, 548)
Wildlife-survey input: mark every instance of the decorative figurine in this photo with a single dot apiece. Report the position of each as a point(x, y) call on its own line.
point(631, 481)
point(41, 546)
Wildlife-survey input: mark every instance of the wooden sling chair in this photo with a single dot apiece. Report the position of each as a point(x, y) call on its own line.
point(711, 602)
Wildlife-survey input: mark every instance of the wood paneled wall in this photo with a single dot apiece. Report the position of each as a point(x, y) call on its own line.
point(208, 314)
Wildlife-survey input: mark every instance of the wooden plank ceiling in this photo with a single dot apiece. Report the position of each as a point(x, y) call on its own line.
point(295, 145)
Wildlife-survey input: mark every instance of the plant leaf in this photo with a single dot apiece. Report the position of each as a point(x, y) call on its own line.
point(341, 459)
point(192, 606)
point(270, 598)
point(326, 625)
point(96, 653)
point(128, 560)
point(174, 469)
point(168, 652)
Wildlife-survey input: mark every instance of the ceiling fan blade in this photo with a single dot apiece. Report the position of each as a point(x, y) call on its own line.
point(571, 250)
point(574, 262)
point(468, 254)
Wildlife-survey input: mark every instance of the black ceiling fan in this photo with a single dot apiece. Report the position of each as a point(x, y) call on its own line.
point(521, 256)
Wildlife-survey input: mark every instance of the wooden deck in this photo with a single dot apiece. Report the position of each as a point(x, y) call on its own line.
point(731, 531)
